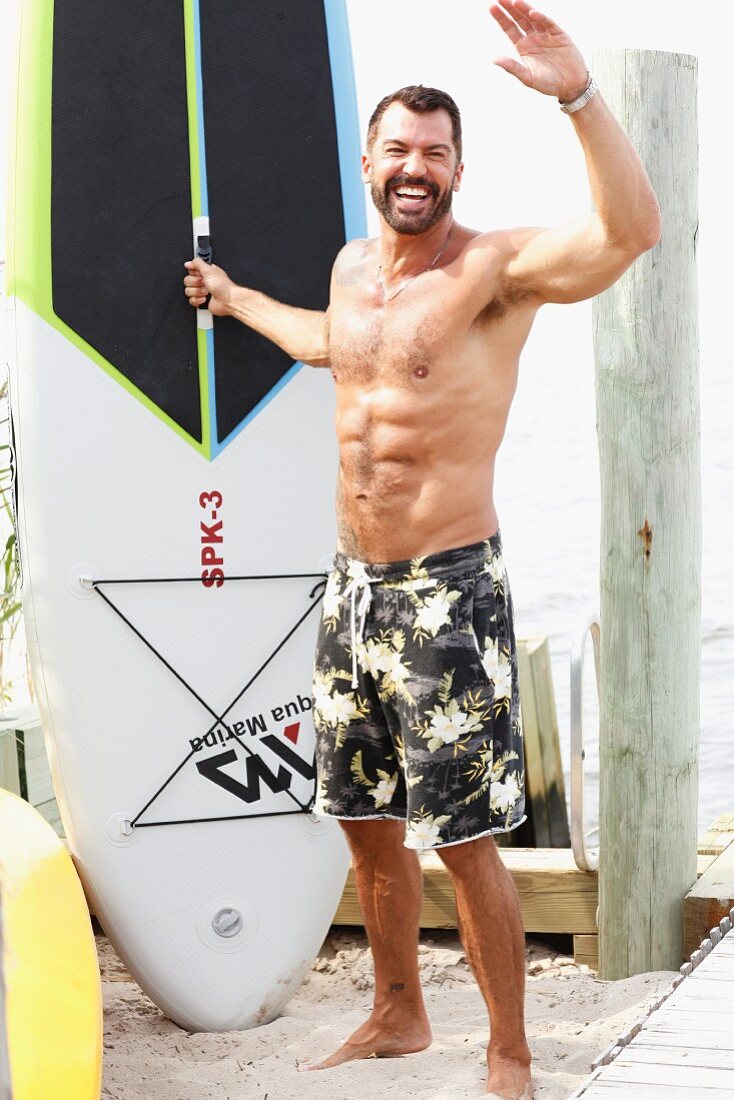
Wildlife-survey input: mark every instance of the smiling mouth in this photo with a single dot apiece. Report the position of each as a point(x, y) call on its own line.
point(412, 194)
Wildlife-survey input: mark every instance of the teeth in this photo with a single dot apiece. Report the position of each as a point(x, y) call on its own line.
point(418, 192)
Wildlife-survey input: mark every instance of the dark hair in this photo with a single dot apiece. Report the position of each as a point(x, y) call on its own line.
point(421, 100)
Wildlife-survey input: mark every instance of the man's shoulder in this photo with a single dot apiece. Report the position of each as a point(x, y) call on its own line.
point(490, 257)
point(499, 244)
point(350, 262)
point(359, 248)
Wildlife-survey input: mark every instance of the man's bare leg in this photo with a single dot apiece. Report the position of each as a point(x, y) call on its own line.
point(389, 886)
point(490, 925)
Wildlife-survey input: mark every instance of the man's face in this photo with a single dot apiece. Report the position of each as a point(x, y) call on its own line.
point(412, 169)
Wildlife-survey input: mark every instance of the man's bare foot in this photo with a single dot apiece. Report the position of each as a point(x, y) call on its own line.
point(383, 1036)
point(509, 1079)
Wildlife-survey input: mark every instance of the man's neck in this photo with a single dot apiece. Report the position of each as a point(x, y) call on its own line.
point(403, 254)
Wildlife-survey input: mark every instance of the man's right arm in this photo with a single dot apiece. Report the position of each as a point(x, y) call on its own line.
point(302, 333)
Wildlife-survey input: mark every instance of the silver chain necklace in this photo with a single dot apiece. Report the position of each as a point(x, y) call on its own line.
point(406, 282)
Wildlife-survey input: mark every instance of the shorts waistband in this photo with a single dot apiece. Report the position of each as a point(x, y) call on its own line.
point(456, 560)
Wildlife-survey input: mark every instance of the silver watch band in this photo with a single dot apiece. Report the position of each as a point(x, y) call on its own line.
point(588, 93)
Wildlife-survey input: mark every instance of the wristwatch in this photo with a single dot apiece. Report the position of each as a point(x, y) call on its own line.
point(588, 93)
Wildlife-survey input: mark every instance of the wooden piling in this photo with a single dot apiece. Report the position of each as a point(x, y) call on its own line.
point(646, 353)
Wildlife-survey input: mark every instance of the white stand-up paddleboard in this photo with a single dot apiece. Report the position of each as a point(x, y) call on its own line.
point(175, 480)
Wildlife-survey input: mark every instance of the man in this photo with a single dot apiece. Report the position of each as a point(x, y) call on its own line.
point(415, 684)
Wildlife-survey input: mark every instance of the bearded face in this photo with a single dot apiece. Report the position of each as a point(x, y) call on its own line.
point(411, 205)
point(413, 168)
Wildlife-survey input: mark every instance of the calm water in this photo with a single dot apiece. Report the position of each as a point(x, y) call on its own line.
point(547, 496)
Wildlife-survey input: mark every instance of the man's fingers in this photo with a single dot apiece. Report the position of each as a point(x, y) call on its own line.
point(197, 264)
point(512, 31)
point(525, 16)
point(537, 19)
point(520, 13)
point(510, 65)
point(545, 23)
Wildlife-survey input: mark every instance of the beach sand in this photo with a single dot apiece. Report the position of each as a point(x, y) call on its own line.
point(571, 1016)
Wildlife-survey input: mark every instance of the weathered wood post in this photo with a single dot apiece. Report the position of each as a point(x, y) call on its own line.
point(646, 352)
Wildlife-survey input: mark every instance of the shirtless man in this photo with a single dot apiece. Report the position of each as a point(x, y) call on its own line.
point(416, 689)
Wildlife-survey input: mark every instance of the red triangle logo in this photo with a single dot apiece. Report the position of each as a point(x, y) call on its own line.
point(291, 732)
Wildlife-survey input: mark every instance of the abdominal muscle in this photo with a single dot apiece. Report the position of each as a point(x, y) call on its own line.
point(414, 477)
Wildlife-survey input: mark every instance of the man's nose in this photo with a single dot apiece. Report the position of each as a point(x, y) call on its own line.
point(415, 164)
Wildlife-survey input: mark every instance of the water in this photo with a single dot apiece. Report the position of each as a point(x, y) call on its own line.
point(547, 495)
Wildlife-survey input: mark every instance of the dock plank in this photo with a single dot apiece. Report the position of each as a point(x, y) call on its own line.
point(614, 1090)
point(700, 1057)
point(680, 1076)
point(693, 1017)
point(709, 899)
point(704, 1040)
point(718, 836)
point(685, 1047)
point(555, 896)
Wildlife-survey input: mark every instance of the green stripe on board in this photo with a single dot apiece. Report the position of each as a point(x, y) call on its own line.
point(195, 155)
point(29, 239)
point(9, 286)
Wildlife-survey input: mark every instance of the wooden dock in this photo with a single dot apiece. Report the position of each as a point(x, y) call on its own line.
point(555, 896)
point(712, 897)
point(684, 1050)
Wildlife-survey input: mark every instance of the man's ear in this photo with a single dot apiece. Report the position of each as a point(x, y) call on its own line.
point(366, 167)
point(457, 177)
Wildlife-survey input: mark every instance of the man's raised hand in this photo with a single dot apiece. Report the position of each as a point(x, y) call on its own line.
point(207, 279)
point(549, 61)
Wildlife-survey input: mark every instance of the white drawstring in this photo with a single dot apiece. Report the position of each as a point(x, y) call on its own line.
point(360, 583)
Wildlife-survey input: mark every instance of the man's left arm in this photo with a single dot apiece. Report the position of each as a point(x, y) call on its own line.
point(581, 258)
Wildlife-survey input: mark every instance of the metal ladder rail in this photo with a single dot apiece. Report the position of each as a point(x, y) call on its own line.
point(587, 859)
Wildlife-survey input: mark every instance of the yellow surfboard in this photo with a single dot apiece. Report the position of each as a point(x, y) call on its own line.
point(50, 993)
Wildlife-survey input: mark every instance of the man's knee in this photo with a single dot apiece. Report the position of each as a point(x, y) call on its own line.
point(470, 857)
point(373, 836)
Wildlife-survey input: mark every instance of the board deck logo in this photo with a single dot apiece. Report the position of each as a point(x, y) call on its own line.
point(212, 553)
point(255, 771)
point(248, 766)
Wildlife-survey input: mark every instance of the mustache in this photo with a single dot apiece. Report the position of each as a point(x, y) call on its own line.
point(412, 181)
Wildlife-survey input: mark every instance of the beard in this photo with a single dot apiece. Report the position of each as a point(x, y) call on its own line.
point(403, 221)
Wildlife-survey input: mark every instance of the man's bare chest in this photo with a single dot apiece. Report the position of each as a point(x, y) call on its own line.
point(391, 340)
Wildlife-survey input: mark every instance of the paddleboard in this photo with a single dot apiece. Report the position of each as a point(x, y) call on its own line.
point(175, 472)
point(50, 994)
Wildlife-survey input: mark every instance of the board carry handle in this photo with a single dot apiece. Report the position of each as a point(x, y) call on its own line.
point(203, 250)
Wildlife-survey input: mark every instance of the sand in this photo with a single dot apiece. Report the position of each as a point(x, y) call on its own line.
point(571, 1016)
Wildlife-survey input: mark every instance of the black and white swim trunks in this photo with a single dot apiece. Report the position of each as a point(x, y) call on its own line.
point(416, 701)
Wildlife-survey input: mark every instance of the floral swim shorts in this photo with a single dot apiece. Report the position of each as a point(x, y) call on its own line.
point(416, 701)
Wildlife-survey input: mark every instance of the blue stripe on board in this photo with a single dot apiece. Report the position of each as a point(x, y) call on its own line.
point(347, 136)
point(204, 200)
point(217, 448)
point(347, 118)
